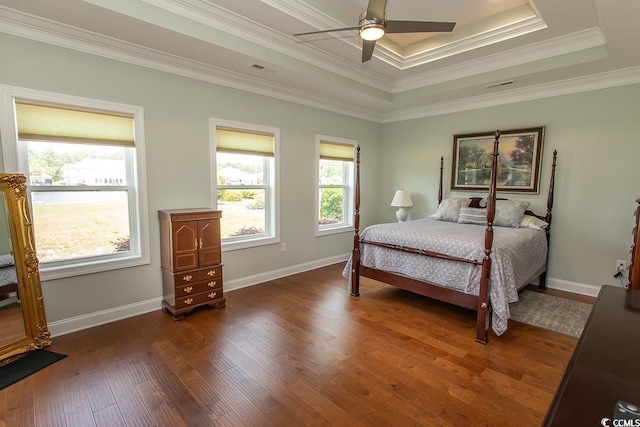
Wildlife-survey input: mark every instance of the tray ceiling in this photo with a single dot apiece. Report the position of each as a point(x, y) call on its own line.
point(500, 50)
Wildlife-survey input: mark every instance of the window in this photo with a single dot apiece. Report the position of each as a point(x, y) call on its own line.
point(335, 193)
point(84, 163)
point(246, 170)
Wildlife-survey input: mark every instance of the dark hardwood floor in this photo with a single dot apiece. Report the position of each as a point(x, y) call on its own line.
point(292, 352)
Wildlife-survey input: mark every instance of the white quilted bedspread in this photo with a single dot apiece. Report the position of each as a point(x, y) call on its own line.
point(518, 256)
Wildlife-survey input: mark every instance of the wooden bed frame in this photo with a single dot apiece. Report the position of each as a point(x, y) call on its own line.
point(480, 302)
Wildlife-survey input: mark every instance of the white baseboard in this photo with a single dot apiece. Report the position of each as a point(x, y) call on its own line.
point(73, 324)
point(576, 288)
point(243, 282)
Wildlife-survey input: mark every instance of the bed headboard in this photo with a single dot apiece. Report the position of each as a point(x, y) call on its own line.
point(481, 202)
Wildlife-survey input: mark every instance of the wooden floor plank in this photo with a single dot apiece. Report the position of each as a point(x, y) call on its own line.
point(20, 404)
point(48, 408)
point(318, 404)
point(304, 413)
point(161, 408)
point(77, 410)
point(297, 351)
point(109, 417)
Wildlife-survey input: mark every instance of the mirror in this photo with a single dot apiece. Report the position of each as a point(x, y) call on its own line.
point(23, 324)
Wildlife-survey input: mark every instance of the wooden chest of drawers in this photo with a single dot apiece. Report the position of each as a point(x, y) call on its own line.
point(191, 258)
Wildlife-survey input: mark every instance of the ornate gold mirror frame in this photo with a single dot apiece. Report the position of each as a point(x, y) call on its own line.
point(29, 291)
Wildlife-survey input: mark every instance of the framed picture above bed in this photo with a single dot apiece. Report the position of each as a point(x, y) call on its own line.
point(518, 163)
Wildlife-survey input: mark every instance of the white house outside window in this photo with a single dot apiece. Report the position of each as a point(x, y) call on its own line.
point(84, 162)
point(335, 188)
point(246, 170)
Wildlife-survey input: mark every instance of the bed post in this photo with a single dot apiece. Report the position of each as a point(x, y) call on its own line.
point(542, 281)
point(482, 321)
point(355, 254)
point(440, 187)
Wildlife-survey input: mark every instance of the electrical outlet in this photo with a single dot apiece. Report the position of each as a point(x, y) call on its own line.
point(283, 247)
point(621, 265)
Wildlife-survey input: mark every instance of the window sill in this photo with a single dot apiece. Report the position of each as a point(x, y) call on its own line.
point(336, 230)
point(245, 244)
point(90, 267)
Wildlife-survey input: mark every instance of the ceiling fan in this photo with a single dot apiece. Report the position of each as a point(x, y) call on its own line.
point(373, 25)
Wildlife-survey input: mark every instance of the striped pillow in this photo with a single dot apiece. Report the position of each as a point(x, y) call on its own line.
point(473, 216)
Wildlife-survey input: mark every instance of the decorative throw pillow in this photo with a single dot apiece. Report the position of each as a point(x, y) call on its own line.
point(509, 213)
point(529, 221)
point(473, 216)
point(449, 209)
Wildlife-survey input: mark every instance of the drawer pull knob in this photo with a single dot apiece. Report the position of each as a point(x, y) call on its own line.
point(187, 278)
point(212, 284)
point(212, 295)
point(211, 273)
point(188, 289)
point(188, 301)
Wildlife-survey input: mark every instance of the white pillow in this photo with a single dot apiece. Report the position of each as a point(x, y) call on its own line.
point(449, 209)
point(533, 222)
point(509, 213)
point(473, 216)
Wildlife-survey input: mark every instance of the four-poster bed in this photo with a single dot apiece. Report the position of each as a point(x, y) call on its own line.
point(463, 264)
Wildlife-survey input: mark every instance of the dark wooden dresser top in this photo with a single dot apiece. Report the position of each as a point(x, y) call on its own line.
point(605, 366)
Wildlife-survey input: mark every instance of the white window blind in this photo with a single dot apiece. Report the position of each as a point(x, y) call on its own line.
point(229, 140)
point(59, 123)
point(336, 151)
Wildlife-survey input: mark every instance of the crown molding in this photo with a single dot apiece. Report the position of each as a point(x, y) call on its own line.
point(478, 41)
point(457, 47)
point(509, 58)
point(604, 80)
point(317, 19)
point(230, 22)
point(50, 32)
point(301, 11)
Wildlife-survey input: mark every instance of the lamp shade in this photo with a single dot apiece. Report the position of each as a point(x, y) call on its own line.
point(402, 199)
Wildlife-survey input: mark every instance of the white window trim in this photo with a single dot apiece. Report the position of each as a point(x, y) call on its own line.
point(14, 161)
point(349, 192)
point(273, 218)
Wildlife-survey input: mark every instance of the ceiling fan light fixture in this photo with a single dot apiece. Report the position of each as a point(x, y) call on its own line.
point(372, 26)
point(371, 29)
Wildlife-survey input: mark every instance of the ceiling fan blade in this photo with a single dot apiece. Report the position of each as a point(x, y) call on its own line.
point(419, 27)
point(327, 31)
point(367, 49)
point(375, 10)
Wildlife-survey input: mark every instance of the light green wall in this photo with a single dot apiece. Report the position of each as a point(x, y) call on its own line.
point(594, 132)
point(596, 135)
point(176, 114)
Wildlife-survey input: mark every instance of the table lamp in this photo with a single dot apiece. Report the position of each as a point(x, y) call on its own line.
point(402, 200)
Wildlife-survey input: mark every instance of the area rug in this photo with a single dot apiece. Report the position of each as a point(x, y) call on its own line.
point(26, 365)
point(550, 312)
